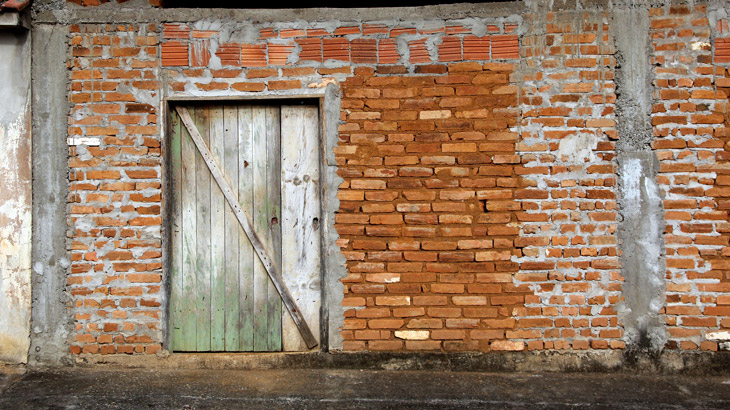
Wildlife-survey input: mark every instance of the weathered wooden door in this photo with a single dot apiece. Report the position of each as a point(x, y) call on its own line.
point(221, 296)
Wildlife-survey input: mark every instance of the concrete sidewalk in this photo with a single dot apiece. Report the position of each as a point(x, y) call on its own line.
point(358, 389)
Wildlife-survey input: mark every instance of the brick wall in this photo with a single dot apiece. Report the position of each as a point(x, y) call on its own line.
point(689, 125)
point(478, 210)
point(567, 147)
point(115, 189)
point(427, 213)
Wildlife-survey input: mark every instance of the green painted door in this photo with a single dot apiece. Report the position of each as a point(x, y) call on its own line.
point(222, 299)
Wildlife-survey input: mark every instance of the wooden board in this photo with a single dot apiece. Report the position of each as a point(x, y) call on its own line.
point(188, 216)
point(246, 256)
point(217, 235)
point(232, 305)
point(266, 328)
point(300, 230)
point(176, 260)
point(273, 217)
point(227, 288)
point(203, 236)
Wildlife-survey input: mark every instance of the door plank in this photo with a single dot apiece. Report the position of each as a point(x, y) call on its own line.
point(301, 265)
point(231, 296)
point(246, 256)
point(217, 236)
point(188, 343)
point(202, 254)
point(176, 259)
point(271, 268)
point(260, 226)
point(272, 184)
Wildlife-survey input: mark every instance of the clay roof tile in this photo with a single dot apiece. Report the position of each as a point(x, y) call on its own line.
point(16, 5)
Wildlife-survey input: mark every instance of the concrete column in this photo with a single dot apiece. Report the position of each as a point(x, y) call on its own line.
point(333, 262)
point(641, 226)
point(51, 322)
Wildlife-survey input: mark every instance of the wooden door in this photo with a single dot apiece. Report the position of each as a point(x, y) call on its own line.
point(222, 298)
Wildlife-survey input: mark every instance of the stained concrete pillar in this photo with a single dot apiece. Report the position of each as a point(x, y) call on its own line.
point(641, 226)
point(51, 323)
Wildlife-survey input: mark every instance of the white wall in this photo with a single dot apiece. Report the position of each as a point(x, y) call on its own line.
point(15, 196)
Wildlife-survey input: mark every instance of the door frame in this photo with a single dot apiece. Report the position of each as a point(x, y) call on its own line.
point(332, 266)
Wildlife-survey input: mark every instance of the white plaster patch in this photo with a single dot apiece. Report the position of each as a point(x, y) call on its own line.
point(83, 153)
point(700, 45)
point(89, 141)
point(578, 148)
point(323, 83)
point(716, 13)
point(718, 335)
point(412, 334)
point(214, 62)
point(229, 32)
point(38, 268)
point(630, 175)
point(143, 96)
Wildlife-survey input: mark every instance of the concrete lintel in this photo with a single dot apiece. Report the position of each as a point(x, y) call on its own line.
point(120, 13)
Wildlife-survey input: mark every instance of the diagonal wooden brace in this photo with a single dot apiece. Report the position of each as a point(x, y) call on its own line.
point(243, 220)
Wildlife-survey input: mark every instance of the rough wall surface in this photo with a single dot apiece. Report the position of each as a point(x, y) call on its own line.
point(427, 213)
point(567, 146)
point(115, 191)
point(15, 197)
point(531, 181)
point(689, 117)
point(640, 231)
point(51, 317)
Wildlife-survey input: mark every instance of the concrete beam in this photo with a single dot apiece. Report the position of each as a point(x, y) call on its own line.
point(117, 13)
